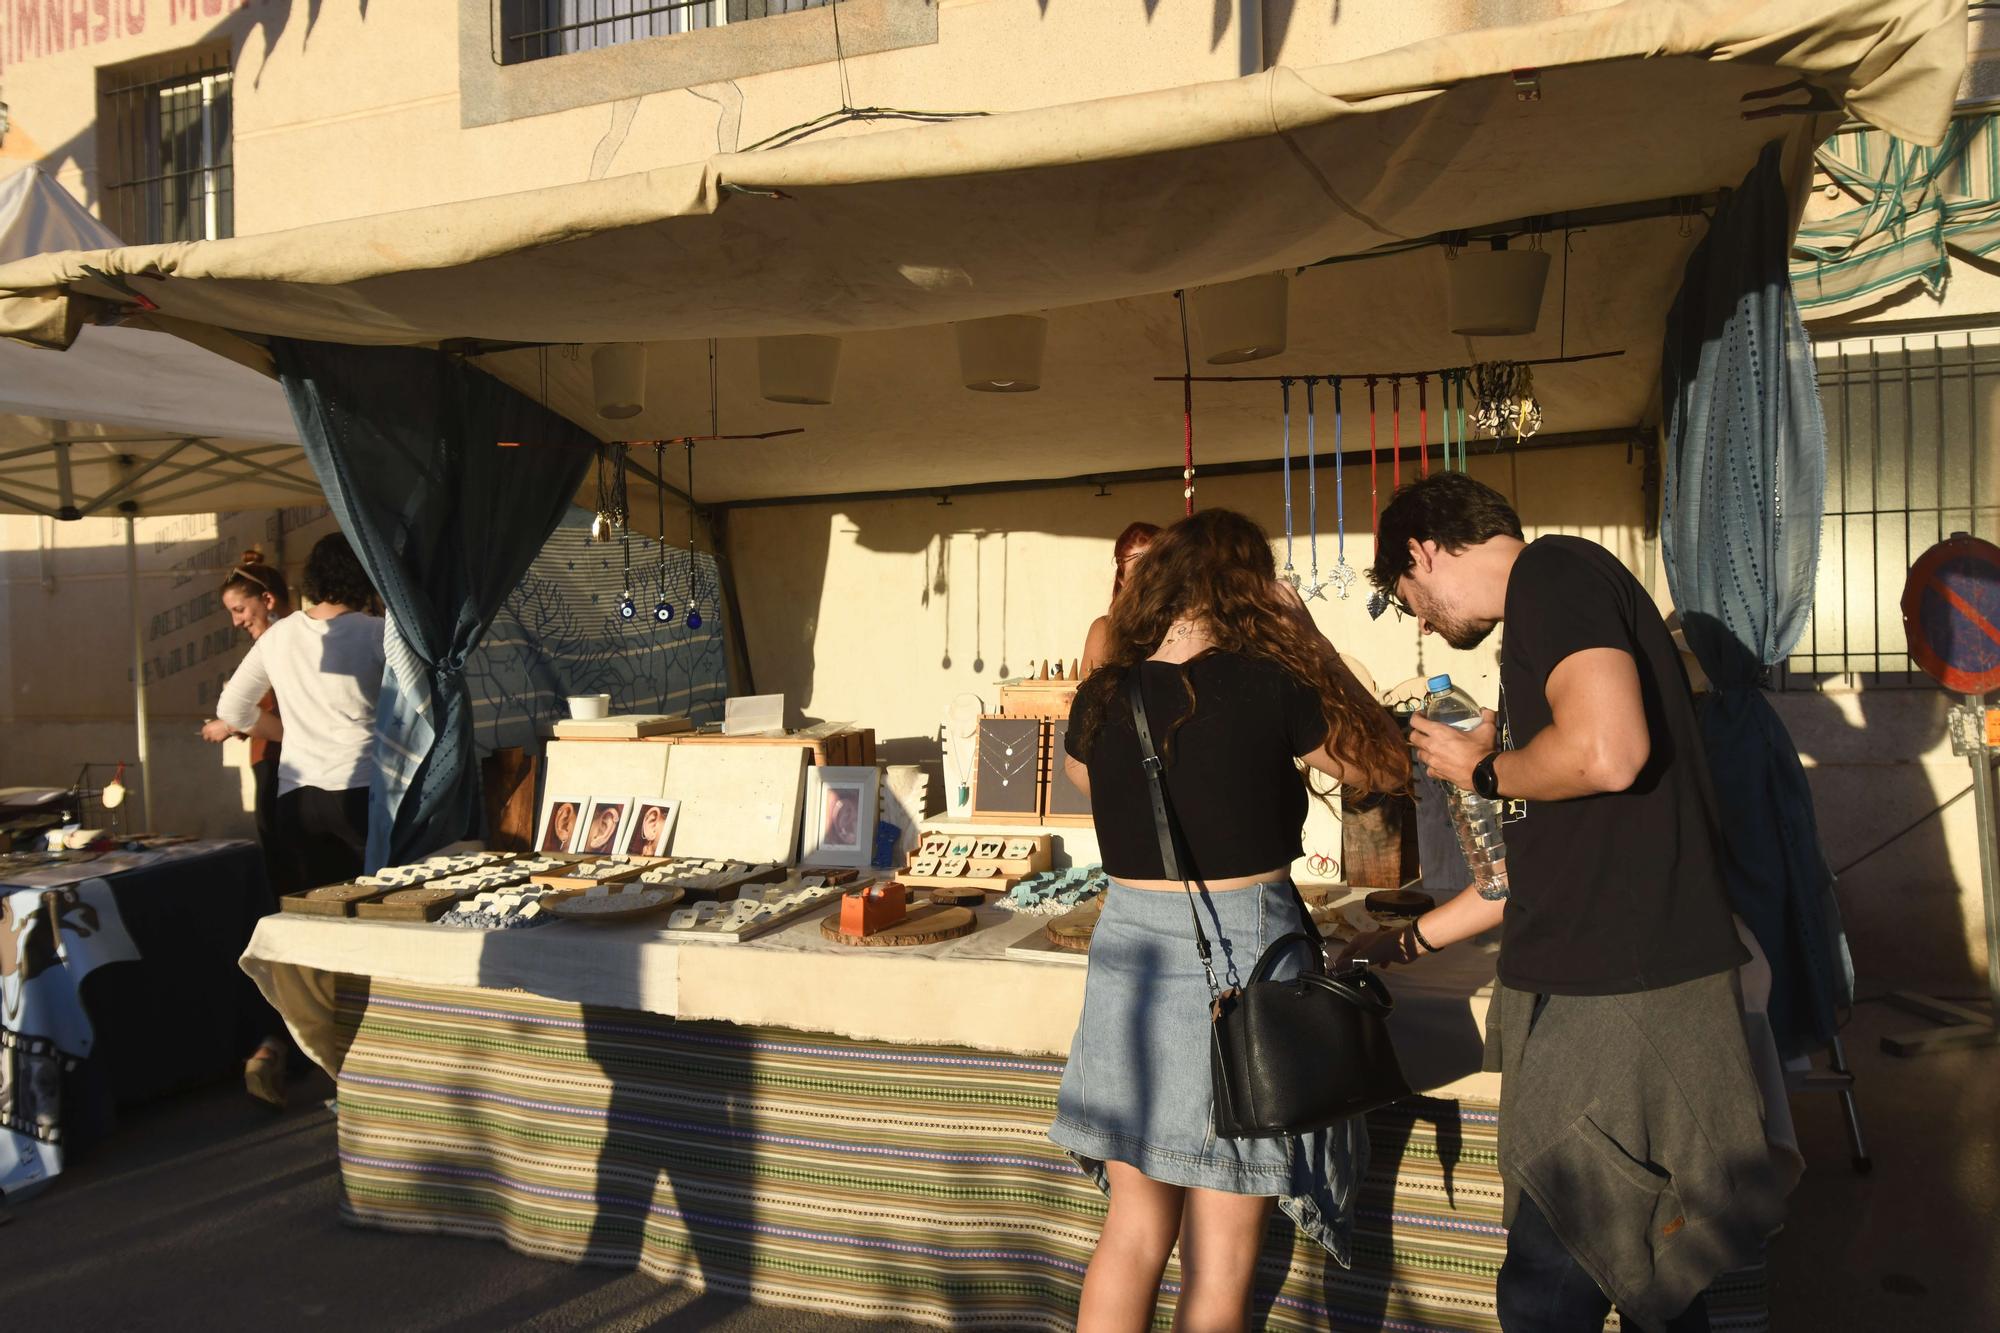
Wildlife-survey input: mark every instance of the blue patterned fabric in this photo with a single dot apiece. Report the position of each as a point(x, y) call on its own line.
point(404, 442)
point(1745, 493)
point(559, 633)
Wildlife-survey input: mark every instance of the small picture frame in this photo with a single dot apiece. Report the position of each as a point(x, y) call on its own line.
point(650, 829)
point(603, 828)
point(840, 813)
point(561, 823)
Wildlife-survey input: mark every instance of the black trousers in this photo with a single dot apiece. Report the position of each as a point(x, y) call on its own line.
point(325, 832)
point(278, 864)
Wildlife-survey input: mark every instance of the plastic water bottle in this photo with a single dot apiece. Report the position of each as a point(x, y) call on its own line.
point(1476, 819)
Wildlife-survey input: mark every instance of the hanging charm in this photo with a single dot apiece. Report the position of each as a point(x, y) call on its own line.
point(1343, 573)
point(1313, 588)
point(663, 610)
point(1288, 574)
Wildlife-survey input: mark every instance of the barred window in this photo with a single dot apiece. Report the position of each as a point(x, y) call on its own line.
point(164, 149)
point(1911, 422)
point(538, 29)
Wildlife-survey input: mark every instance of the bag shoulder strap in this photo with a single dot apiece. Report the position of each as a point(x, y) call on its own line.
point(1174, 863)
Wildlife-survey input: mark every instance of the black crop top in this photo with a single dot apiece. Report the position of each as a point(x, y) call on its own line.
point(1231, 772)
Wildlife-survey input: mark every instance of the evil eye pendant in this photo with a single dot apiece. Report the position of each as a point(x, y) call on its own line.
point(693, 619)
point(664, 613)
point(627, 608)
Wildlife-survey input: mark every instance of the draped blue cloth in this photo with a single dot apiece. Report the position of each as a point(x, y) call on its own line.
point(1745, 494)
point(404, 442)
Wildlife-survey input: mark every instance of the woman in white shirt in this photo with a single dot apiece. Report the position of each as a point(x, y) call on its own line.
point(326, 665)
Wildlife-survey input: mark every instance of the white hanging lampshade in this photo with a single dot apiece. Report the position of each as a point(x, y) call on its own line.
point(618, 379)
point(1002, 354)
point(1244, 320)
point(798, 368)
point(1497, 292)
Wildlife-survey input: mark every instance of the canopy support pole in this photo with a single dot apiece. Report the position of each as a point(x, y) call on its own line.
point(139, 670)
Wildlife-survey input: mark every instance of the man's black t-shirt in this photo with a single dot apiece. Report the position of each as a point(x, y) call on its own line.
point(1621, 891)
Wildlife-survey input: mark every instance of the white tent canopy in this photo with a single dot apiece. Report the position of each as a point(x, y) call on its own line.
point(130, 414)
point(1090, 212)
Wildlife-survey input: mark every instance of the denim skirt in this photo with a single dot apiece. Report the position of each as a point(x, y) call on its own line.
point(1136, 1089)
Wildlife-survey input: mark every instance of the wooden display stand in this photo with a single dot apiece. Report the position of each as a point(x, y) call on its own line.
point(1006, 871)
point(1045, 699)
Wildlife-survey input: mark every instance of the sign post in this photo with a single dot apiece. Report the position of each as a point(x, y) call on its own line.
point(1951, 614)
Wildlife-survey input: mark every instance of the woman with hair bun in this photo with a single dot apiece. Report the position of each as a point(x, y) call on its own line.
point(326, 666)
point(257, 597)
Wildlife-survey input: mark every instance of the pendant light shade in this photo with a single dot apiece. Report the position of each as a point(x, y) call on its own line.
point(618, 379)
point(1497, 292)
point(798, 368)
point(1243, 320)
point(1002, 354)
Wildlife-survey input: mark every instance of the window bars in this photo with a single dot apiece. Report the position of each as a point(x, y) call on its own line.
point(1910, 424)
point(165, 149)
point(537, 29)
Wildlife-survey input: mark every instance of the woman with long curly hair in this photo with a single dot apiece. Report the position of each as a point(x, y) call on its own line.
point(1125, 552)
point(326, 666)
point(1243, 697)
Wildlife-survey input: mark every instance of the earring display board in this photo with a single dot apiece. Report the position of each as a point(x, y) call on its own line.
point(1067, 803)
point(1007, 782)
point(990, 862)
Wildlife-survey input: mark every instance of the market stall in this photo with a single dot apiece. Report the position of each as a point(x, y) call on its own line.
point(788, 1112)
point(119, 985)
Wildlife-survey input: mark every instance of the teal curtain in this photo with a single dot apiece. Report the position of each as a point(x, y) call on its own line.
point(405, 444)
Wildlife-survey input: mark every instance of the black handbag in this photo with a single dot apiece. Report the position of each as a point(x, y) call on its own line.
point(1285, 1057)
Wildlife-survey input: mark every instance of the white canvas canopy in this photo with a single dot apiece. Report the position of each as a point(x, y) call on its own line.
point(1091, 212)
point(130, 414)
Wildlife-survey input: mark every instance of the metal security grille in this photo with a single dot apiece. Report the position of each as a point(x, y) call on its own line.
point(165, 132)
point(1911, 423)
point(537, 29)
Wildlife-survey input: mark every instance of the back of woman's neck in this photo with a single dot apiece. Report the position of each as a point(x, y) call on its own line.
point(328, 610)
point(1183, 641)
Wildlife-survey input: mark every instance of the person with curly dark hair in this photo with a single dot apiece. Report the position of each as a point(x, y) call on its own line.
point(327, 667)
point(1245, 697)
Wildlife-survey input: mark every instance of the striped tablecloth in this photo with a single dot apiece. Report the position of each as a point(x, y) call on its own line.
point(860, 1177)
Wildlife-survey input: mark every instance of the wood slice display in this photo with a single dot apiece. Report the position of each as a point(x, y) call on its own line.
point(1071, 931)
point(957, 895)
point(923, 925)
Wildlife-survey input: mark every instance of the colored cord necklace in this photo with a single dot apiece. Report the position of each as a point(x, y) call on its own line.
point(1313, 587)
point(1343, 573)
point(1288, 574)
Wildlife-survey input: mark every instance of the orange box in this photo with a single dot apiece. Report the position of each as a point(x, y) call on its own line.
point(865, 911)
point(1993, 727)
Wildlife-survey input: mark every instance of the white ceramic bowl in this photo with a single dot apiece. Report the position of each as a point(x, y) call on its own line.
point(585, 707)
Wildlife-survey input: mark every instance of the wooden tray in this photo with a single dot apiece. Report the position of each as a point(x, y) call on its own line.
point(332, 904)
point(556, 879)
point(656, 898)
point(1071, 931)
point(413, 904)
point(955, 896)
point(997, 884)
point(923, 925)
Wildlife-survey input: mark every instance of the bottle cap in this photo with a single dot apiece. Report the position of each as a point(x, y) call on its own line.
point(1438, 684)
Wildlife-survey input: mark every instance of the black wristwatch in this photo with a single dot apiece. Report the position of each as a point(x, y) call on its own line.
point(1484, 780)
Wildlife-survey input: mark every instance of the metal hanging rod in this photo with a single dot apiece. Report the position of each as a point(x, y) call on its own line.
point(1374, 375)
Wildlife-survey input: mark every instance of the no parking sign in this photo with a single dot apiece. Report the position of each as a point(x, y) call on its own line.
point(1951, 614)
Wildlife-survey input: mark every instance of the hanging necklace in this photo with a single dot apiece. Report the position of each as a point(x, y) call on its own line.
point(1005, 766)
point(978, 602)
point(1424, 424)
point(663, 610)
point(693, 617)
point(1288, 574)
point(1396, 431)
point(962, 726)
point(1343, 573)
point(1313, 587)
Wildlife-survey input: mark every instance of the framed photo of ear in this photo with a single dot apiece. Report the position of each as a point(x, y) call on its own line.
point(562, 823)
point(841, 806)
